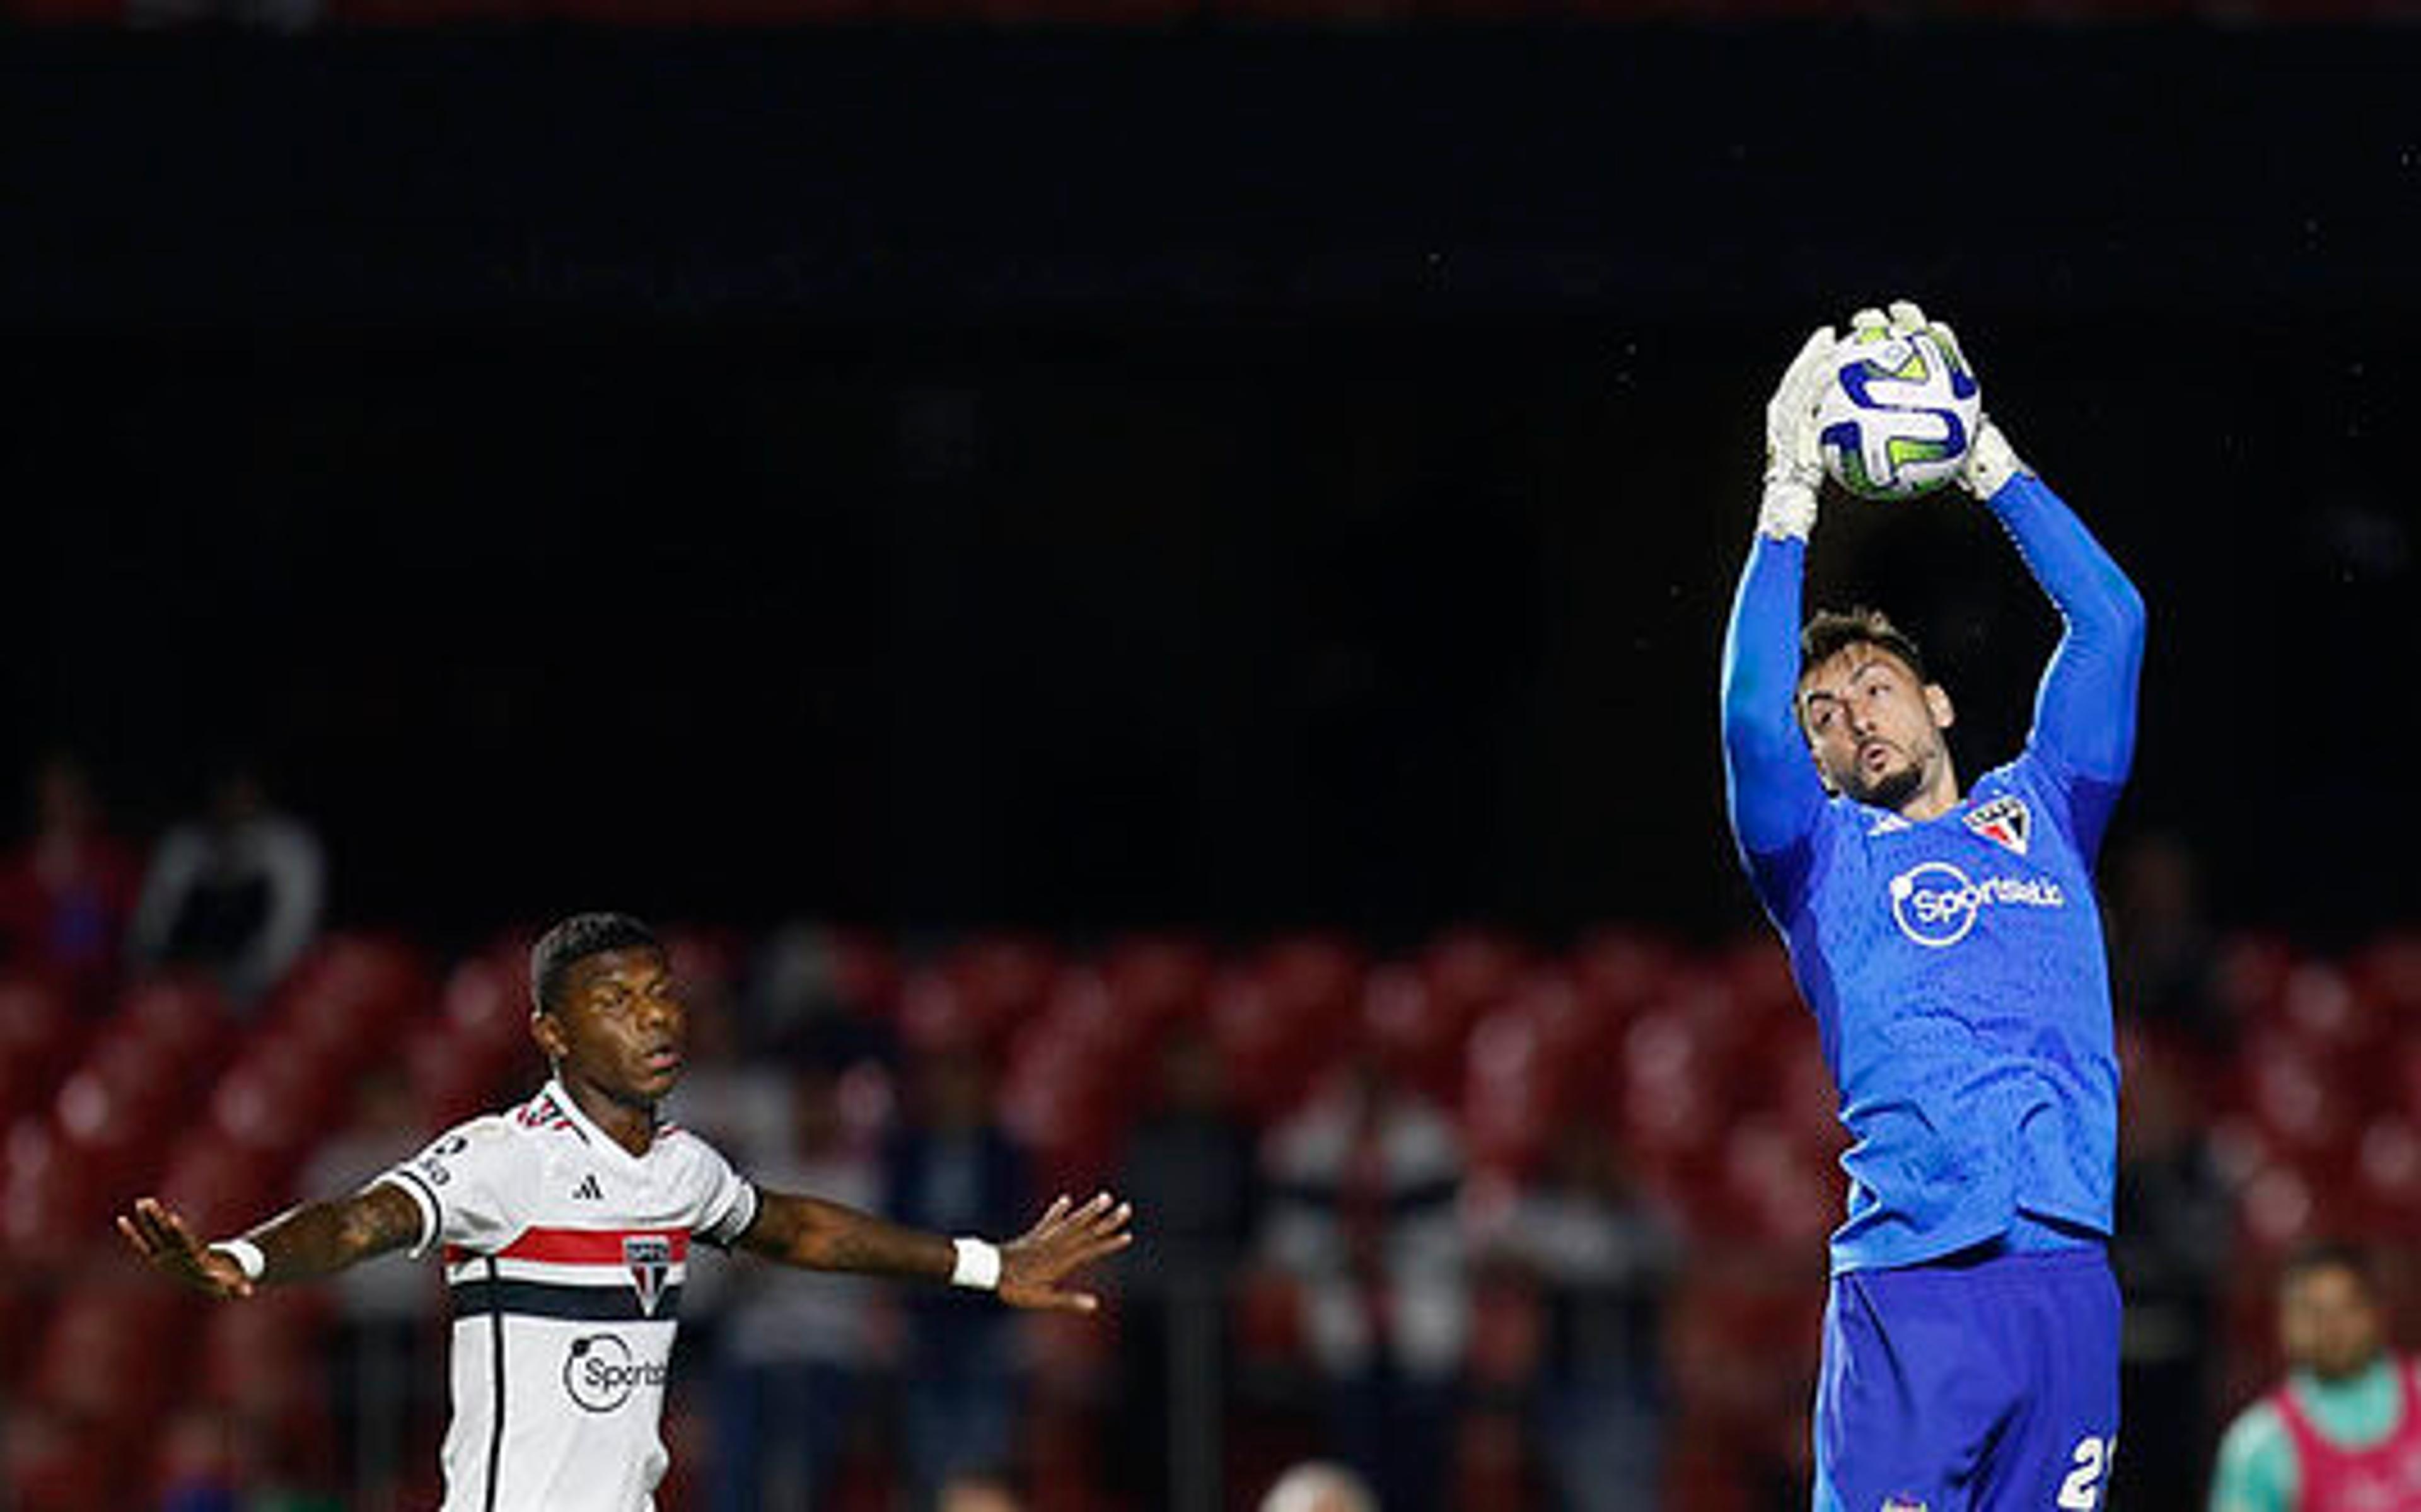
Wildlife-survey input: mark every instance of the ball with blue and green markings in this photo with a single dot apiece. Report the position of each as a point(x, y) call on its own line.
point(1897, 414)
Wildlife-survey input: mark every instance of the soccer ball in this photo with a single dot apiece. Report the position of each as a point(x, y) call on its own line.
point(1898, 416)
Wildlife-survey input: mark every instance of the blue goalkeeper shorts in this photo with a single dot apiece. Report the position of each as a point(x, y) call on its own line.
point(1983, 1385)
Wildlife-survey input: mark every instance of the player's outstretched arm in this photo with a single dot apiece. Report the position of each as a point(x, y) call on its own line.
point(318, 1239)
point(1770, 783)
point(1026, 1271)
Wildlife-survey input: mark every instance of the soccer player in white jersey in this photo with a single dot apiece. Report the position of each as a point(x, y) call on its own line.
point(565, 1226)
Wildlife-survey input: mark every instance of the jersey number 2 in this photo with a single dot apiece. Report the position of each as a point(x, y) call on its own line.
point(2092, 1457)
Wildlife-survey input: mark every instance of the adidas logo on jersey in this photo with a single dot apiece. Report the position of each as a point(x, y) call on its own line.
point(589, 1190)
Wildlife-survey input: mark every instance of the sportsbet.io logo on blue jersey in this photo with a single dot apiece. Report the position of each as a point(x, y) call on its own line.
point(1935, 904)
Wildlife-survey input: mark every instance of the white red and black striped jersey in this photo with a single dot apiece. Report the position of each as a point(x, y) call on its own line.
point(564, 1260)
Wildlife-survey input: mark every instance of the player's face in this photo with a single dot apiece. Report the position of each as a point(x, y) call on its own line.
point(619, 1027)
point(1874, 729)
point(2330, 1323)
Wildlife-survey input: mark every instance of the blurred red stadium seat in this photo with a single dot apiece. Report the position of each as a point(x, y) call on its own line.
point(274, 1102)
point(181, 1016)
point(2251, 975)
point(1001, 979)
point(1417, 1033)
point(457, 1076)
point(219, 1185)
point(1057, 1101)
point(1623, 968)
point(1781, 1189)
point(1512, 1090)
point(2388, 971)
point(53, 1202)
point(935, 1012)
point(346, 999)
point(37, 1037)
point(1279, 1018)
point(1470, 970)
point(486, 1000)
point(1158, 978)
point(2318, 1005)
point(100, 1357)
point(865, 971)
point(2276, 1209)
point(2299, 1098)
point(2387, 1162)
point(51, 1461)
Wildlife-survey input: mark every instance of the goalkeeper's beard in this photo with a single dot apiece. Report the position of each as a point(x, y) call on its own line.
point(1891, 790)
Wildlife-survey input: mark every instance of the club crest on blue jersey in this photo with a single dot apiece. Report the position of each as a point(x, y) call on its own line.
point(2004, 820)
point(649, 1258)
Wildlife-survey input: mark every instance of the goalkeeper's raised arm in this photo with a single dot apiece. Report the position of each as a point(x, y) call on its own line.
point(1772, 791)
point(2085, 709)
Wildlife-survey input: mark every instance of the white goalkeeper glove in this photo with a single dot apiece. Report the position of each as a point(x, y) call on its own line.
point(1794, 466)
point(1990, 461)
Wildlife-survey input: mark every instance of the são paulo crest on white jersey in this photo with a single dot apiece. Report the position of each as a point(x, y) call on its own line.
point(564, 1260)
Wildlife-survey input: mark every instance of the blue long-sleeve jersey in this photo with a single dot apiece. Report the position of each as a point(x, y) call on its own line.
point(1955, 966)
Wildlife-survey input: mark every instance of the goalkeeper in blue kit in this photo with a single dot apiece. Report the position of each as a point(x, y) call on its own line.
point(1947, 942)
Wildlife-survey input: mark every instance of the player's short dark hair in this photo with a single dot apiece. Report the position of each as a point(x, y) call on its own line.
point(2329, 1253)
point(576, 938)
point(1834, 630)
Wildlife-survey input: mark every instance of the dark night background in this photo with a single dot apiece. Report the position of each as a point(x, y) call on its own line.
point(1224, 475)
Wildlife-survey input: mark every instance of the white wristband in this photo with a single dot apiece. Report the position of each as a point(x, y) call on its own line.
point(246, 1255)
point(979, 1267)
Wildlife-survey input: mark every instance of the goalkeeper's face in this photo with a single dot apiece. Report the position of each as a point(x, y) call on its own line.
point(1875, 730)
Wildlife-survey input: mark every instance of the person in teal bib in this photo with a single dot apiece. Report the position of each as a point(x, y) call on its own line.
point(2343, 1432)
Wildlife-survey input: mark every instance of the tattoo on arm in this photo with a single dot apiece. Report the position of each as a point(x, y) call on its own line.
point(825, 1235)
point(320, 1237)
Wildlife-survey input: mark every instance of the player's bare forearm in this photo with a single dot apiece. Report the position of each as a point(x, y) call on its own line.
point(1027, 1270)
point(826, 1236)
point(315, 1240)
point(320, 1238)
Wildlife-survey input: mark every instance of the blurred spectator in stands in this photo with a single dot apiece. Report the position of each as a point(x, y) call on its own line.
point(1605, 1258)
point(1363, 1188)
point(1191, 1164)
point(210, 1461)
point(980, 1490)
point(2171, 1252)
point(2163, 955)
point(2343, 1431)
point(236, 892)
point(384, 1363)
point(792, 1351)
point(1317, 1486)
point(953, 1169)
point(803, 1004)
point(746, 1104)
point(68, 890)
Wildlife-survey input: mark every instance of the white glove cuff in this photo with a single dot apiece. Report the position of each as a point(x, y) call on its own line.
point(246, 1255)
point(1788, 511)
point(1990, 462)
point(979, 1267)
